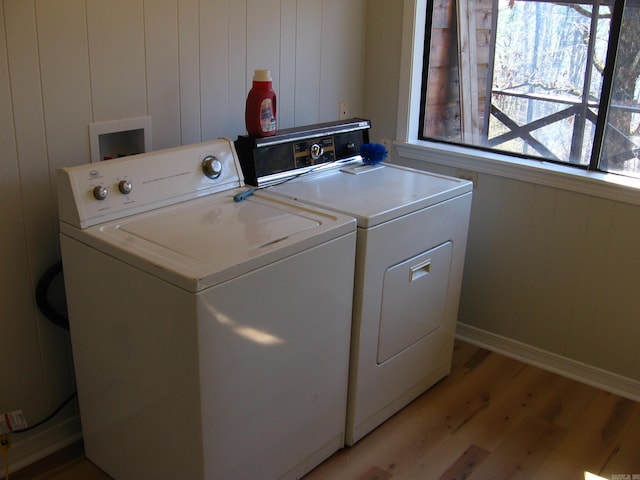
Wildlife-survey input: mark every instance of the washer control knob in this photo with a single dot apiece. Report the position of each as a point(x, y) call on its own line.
point(211, 166)
point(125, 186)
point(100, 192)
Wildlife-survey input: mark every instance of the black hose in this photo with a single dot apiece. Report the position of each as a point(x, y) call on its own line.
point(50, 416)
point(42, 299)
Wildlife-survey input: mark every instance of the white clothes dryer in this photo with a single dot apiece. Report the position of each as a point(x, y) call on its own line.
point(412, 234)
point(210, 337)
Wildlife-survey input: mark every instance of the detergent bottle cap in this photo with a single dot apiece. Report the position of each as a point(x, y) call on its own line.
point(262, 76)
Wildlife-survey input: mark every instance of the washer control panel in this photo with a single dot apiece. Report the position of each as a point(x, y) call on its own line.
point(93, 193)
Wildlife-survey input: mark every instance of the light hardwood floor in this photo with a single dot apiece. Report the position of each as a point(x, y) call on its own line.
point(492, 418)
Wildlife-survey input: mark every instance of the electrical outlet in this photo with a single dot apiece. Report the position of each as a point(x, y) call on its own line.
point(387, 144)
point(344, 110)
point(12, 421)
point(468, 175)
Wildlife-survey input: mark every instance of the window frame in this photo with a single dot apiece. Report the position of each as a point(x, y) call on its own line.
point(409, 146)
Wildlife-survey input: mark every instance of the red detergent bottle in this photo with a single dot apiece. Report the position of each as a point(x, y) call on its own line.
point(260, 112)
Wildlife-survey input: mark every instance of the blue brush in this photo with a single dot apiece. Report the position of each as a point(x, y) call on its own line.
point(238, 197)
point(372, 153)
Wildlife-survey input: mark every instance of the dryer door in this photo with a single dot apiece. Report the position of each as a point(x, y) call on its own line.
point(413, 300)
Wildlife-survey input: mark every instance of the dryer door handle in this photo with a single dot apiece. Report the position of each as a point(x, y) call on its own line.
point(420, 270)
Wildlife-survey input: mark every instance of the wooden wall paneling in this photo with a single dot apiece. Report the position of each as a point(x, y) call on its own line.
point(240, 76)
point(9, 172)
point(11, 226)
point(443, 14)
point(66, 86)
point(189, 66)
point(484, 12)
point(535, 261)
point(353, 69)
point(584, 316)
point(616, 334)
point(444, 119)
point(287, 85)
point(63, 48)
point(380, 101)
point(443, 87)
point(30, 244)
point(162, 71)
point(479, 276)
point(308, 68)
point(563, 259)
point(439, 52)
point(468, 62)
point(18, 341)
point(509, 252)
point(214, 63)
point(117, 59)
point(341, 77)
point(263, 38)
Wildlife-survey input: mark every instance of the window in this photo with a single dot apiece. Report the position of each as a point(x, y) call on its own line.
point(556, 81)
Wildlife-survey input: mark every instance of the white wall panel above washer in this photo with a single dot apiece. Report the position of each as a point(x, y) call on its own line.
point(117, 59)
point(308, 65)
point(347, 17)
point(66, 86)
point(239, 75)
point(263, 38)
point(30, 137)
point(214, 61)
point(286, 89)
point(162, 71)
point(189, 66)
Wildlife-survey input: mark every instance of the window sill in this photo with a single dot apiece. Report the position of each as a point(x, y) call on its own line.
point(605, 185)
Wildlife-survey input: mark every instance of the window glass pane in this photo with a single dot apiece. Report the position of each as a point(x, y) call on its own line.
point(442, 113)
point(621, 144)
point(536, 83)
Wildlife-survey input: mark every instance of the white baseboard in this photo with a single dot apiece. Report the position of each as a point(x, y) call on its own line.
point(582, 372)
point(27, 448)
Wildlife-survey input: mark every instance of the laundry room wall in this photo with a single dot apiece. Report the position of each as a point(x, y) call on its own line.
point(187, 64)
point(551, 273)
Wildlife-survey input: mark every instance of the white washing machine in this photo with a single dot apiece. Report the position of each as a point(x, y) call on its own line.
point(210, 337)
point(412, 234)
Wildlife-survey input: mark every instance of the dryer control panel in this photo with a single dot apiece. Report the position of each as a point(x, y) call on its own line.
point(298, 150)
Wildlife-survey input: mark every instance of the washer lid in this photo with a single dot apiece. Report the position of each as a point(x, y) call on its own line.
point(373, 193)
point(203, 242)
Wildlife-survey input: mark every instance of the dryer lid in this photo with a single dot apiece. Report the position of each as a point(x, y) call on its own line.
point(374, 194)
